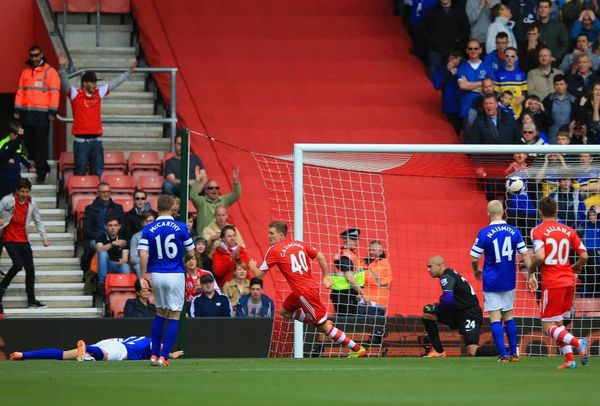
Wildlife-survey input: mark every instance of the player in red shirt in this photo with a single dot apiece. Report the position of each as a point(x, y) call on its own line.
point(303, 304)
point(552, 244)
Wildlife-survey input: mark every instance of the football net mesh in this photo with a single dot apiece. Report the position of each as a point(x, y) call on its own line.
point(416, 206)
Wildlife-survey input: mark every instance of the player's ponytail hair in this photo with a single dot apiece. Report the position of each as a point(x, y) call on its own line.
point(280, 226)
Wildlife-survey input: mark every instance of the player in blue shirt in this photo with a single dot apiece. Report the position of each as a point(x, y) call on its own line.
point(161, 251)
point(112, 349)
point(499, 243)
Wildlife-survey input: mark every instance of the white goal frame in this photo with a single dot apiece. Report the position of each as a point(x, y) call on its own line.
point(301, 149)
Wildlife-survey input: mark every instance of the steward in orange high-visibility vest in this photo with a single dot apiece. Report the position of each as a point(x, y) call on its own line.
point(36, 104)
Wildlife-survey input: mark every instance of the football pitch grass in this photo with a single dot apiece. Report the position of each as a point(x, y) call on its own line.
point(308, 382)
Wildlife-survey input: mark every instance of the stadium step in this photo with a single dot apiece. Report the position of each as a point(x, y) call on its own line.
point(47, 264)
point(53, 226)
point(20, 302)
point(84, 35)
point(52, 214)
point(51, 276)
point(117, 97)
point(54, 238)
point(133, 130)
point(53, 251)
point(136, 144)
point(137, 108)
point(48, 190)
point(47, 289)
point(57, 312)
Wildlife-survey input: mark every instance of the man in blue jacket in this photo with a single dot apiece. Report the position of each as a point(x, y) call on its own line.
point(209, 303)
point(255, 304)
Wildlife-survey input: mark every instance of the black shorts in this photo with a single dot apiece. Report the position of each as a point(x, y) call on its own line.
point(468, 322)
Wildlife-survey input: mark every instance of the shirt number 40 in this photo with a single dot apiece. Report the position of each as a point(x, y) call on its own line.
point(299, 263)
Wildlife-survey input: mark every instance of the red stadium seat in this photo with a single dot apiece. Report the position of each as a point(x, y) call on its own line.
point(167, 155)
point(119, 283)
point(125, 201)
point(153, 202)
point(150, 184)
point(138, 173)
point(81, 187)
point(144, 160)
point(116, 303)
point(80, 210)
point(114, 163)
point(120, 183)
point(66, 161)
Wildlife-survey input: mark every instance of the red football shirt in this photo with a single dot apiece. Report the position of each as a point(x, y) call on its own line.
point(293, 260)
point(15, 230)
point(556, 240)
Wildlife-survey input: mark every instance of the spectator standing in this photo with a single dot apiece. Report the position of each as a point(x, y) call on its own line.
point(480, 17)
point(572, 9)
point(132, 222)
point(193, 274)
point(36, 106)
point(348, 278)
point(524, 13)
point(113, 251)
point(212, 232)
point(587, 115)
point(588, 176)
point(172, 171)
point(227, 254)
point(16, 211)
point(552, 32)
point(378, 278)
point(446, 27)
point(582, 46)
point(210, 303)
point(587, 25)
point(202, 255)
point(140, 306)
point(205, 205)
point(417, 27)
point(95, 215)
point(239, 285)
point(581, 82)
point(513, 79)
point(550, 172)
point(445, 79)
point(255, 303)
point(470, 74)
point(495, 58)
point(559, 107)
point(590, 233)
point(502, 23)
point(12, 157)
point(540, 80)
point(530, 47)
point(134, 257)
point(571, 205)
point(86, 103)
point(476, 110)
point(494, 127)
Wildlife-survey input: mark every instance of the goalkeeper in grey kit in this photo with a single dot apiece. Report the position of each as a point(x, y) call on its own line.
point(458, 308)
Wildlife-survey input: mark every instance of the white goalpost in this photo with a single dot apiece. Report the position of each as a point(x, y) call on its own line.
point(387, 190)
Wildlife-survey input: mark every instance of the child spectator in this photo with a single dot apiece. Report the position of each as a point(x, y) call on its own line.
point(203, 257)
point(193, 274)
point(239, 285)
point(505, 102)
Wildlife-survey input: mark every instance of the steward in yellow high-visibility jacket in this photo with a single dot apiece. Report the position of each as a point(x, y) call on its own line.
point(348, 276)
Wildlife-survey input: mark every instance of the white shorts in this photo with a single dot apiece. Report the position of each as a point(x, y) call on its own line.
point(114, 349)
point(498, 300)
point(169, 290)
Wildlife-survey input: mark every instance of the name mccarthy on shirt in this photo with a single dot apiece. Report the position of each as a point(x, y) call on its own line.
point(165, 223)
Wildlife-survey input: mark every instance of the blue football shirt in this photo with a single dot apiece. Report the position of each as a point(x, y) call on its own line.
point(138, 348)
point(166, 240)
point(499, 243)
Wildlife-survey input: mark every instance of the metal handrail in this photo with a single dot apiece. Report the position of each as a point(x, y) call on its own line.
point(57, 32)
point(171, 120)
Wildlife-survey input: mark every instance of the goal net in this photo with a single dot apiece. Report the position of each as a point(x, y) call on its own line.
point(413, 202)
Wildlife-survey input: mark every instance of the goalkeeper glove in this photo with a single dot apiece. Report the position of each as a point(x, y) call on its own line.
point(430, 308)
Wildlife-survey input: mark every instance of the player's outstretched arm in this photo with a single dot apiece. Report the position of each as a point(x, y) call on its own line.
point(175, 354)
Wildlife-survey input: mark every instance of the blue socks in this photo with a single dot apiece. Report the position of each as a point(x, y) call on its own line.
point(95, 352)
point(170, 336)
point(498, 335)
point(47, 353)
point(158, 326)
point(511, 333)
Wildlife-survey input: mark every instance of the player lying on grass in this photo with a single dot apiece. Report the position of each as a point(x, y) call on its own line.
point(458, 308)
point(303, 304)
point(112, 349)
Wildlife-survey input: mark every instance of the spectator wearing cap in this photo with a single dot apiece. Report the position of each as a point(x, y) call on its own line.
point(206, 205)
point(86, 103)
point(255, 303)
point(193, 275)
point(227, 254)
point(348, 276)
point(212, 232)
point(210, 303)
point(140, 306)
point(203, 257)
